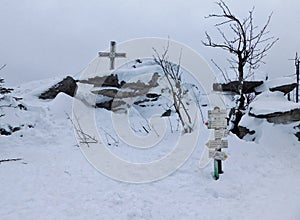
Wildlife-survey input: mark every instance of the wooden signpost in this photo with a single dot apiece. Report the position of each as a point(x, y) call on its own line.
point(220, 133)
point(217, 121)
point(217, 155)
point(217, 144)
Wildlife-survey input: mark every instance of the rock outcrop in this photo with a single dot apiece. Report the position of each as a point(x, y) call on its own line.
point(257, 87)
point(233, 86)
point(275, 108)
point(113, 98)
point(243, 131)
point(67, 85)
point(103, 81)
point(285, 89)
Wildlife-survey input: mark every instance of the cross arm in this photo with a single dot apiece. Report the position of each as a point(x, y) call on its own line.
point(120, 54)
point(103, 54)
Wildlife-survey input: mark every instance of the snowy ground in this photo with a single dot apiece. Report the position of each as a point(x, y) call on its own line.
point(55, 181)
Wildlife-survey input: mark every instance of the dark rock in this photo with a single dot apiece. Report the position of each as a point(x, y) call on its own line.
point(67, 85)
point(9, 130)
point(107, 92)
point(16, 129)
point(139, 102)
point(237, 118)
point(114, 93)
point(243, 131)
point(166, 113)
point(297, 134)
point(4, 132)
point(152, 95)
point(248, 86)
point(5, 90)
point(112, 97)
point(106, 104)
point(129, 90)
point(153, 81)
point(111, 105)
point(284, 88)
point(103, 81)
point(22, 107)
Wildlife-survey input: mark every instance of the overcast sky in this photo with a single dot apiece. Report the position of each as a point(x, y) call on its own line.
point(45, 38)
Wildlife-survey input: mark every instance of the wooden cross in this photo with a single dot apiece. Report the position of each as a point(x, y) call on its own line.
point(112, 54)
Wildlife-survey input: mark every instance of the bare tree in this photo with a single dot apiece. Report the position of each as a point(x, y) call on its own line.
point(173, 74)
point(248, 45)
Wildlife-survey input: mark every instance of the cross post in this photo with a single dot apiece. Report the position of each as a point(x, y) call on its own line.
point(112, 54)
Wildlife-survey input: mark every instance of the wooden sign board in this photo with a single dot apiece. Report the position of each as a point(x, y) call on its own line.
point(217, 124)
point(217, 113)
point(217, 155)
point(220, 133)
point(217, 144)
point(217, 118)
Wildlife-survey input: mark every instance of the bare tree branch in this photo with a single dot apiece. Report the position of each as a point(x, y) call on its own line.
point(248, 45)
point(8, 160)
point(84, 138)
point(173, 74)
point(2, 67)
point(224, 73)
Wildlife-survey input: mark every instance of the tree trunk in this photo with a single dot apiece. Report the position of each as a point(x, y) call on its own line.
point(241, 101)
point(241, 73)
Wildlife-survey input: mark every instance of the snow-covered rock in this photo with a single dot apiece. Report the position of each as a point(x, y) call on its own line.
point(281, 84)
point(274, 107)
point(67, 85)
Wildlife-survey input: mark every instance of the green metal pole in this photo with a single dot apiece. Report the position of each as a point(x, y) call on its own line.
point(216, 170)
point(220, 170)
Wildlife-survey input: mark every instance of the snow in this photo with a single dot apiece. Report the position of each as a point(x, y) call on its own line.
point(61, 106)
point(54, 180)
point(280, 81)
point(270, 102)
point(126, 72)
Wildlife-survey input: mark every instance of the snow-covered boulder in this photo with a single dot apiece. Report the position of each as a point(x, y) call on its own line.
point(281, 84)
point(275, 108)
point(269, 107)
